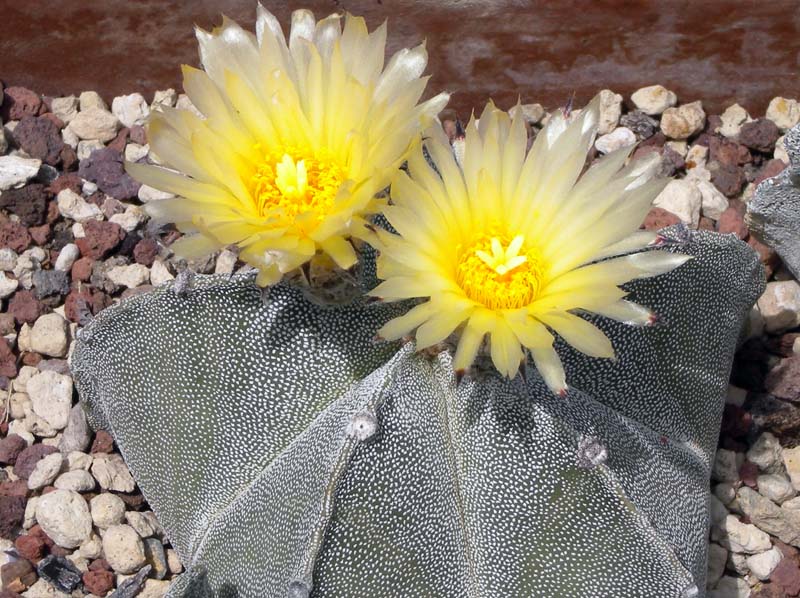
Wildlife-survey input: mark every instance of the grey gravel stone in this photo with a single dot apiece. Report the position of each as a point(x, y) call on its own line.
point(77, 434)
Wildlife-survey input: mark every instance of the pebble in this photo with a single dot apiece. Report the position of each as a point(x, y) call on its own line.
point(145, 524)
point(610, 111)
point(780, 305)
point(759, 135)
point(64, 517)
point(184, 103)
point(40, 138)
point(106, 169)
point(98, 582)
point(730, 587)
point(130, 219)
point(154, 553)
point(77, 460)
point(791, 460)
point(174, 562)
point(766, 453)
point(78, 480)
point(59, 572)
point(732, 120)
point(653, 99)
point(45, 472)
point(164, 97)
point(226, 261)
point(682, 198)
point(17, 576)
point(69, 138)
point(123, 549)
point(743, 537)
point(130, 276)
point(107, 510)
point(111, 473)
point(783, 381)
point(65, 108)
point(684, 121)
point(91, 99)
point(784, 112)
point(154, 588)
point(131, 110)
point(87, 148)
point(77, 434)
point(71, 205)
point(8, 259)
point(135, 152)
point(99, 239)
point(7, 285)
point(775, 487)
point(16, 171)
point(18, 102)
point(50, 335)
point(95, 123)
point(51, 397)
point(769, 517)
point(713, 203)
point(780, 150)
point(91, 548)
point(67, 256)
point(532, 113)
point(717, 557)
point(147, 193)
point(159, 273)
point(763, 564)
point(617, 139)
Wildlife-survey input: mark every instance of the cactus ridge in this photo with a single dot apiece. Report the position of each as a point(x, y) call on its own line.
point(286, 454)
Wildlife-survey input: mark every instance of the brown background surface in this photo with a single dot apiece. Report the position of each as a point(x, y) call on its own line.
point(719, 51)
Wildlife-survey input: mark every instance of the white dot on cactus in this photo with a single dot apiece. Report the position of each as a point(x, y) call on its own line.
point(298, 589)
point(591, 452)
point(691, 592)
point(362, 425)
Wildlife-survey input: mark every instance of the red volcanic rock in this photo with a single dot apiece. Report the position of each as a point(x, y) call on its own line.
point(15, 236)
point(19, 102)
point(100, 238)
point(24, 307)
point(28, 202)
point(40, 138)
point(658, 218)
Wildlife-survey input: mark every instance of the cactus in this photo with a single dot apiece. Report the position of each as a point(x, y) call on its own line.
point(773, 215)
point(286, 453)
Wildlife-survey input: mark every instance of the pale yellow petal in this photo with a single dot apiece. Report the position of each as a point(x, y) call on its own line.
point(579, 333)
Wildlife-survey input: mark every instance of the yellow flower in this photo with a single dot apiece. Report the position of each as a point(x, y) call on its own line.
point(512, 246)
point(295, 140)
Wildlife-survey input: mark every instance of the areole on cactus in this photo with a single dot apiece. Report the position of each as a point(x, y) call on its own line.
point(289, 452)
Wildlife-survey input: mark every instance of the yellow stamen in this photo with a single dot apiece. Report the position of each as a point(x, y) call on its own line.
point(297, 182)
point(498, 277)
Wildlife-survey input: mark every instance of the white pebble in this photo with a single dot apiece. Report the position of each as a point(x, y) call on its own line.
point(67, 256)
point(763, 564)
point(130, 275)
point(131, 110)
point(71, 205)
point(50, 335)
point(51, 397)
point(654, 99)
point(64, 517)
point(617, 139)
point(123, 549)
point(15, 171)
point(45, 471)
point(107, 510)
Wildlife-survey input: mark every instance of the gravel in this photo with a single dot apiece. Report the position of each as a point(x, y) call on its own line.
point(74, 239)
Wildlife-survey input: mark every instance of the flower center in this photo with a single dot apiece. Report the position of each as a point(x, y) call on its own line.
point(294, 183)
point(499, 273)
